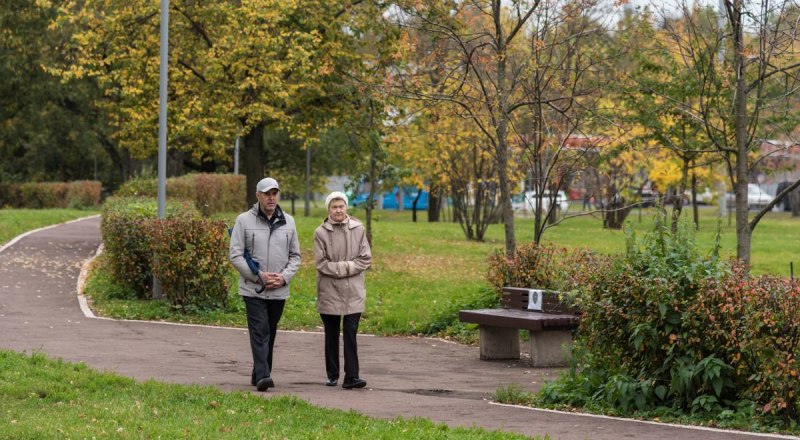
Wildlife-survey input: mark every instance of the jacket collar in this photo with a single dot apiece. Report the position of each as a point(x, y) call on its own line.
point(278, 217)
point(351, 223)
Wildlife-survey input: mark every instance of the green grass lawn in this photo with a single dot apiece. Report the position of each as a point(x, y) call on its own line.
point(43, 398)
point(16, 221)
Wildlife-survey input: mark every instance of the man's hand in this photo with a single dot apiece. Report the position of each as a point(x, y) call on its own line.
point(272, 280)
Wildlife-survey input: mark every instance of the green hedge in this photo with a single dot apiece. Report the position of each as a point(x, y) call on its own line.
point(127, 239)
point(211, 193)
point(44, 195)
point(191, 262)
point(753, 325)
point(671, 329)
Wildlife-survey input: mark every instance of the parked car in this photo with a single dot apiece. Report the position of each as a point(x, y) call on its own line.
point(704, 196)
point(757, 197)
point(649, 197)
point(526, 202)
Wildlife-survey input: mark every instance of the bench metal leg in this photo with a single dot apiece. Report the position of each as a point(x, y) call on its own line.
point(499, 342)
point(550, 348)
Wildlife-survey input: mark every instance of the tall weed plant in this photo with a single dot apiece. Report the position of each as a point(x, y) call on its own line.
point(633, 348)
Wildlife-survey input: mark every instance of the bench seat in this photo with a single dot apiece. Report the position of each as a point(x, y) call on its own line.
point(499, 334)
point(521, 319)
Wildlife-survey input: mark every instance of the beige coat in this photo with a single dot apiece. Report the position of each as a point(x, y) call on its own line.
point(342, 255)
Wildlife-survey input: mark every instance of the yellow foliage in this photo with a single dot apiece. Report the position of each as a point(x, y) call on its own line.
point(232, 65)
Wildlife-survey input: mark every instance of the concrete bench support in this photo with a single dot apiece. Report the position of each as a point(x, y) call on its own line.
point(499, 342)
point(549, 348)
point(499, 334)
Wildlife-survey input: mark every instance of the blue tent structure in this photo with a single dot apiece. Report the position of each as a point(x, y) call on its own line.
point(390, 199)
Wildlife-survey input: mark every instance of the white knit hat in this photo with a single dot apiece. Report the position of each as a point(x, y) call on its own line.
point(336, 195)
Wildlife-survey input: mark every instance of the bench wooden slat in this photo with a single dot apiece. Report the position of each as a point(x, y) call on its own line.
point(550, 301)
point(521, 319)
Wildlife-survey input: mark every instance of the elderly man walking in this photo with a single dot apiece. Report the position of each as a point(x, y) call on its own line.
point(270, 238)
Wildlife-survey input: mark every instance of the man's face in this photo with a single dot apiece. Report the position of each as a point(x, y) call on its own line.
point(268, 200)
point(337, 210)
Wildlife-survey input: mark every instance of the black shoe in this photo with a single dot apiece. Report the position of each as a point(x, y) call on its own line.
point(354, 383)
point(331, 382)
point(265, 383)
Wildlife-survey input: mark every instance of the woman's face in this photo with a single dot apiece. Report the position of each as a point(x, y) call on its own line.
point(337, 210)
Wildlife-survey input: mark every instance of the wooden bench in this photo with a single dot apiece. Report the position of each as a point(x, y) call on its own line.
point(549, 322)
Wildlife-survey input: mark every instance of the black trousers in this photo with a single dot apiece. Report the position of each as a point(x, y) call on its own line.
point(262, 324)
point(332, 325)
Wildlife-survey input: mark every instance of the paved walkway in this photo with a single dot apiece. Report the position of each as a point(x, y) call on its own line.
point(408, 377)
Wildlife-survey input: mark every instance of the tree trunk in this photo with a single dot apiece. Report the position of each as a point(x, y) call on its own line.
point(794, 202)
point(695, 211)
point(743, 231)
point(253, 161)
point(677, 203)
point(132, 167)
point(615, 210)
point(113, 153)
point(434, 208)
point(175, 161)
point(373, 187)
point(616, 214)
point(502, 140)
point(414, 205)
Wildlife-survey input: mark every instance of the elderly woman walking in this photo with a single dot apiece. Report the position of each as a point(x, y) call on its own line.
point(342, 255)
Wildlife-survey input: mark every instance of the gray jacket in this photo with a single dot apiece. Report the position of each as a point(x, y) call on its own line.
point(276, 251)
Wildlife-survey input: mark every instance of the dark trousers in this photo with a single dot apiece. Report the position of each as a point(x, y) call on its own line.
point(262, 324)
point(332, 325)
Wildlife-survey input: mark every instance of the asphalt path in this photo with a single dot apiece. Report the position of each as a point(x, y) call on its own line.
point(40, 311)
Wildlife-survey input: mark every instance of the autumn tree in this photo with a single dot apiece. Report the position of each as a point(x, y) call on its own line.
point(236, 69)
point(416, 151)
point(477, 73)
point(561, 64)
point(656, 81)
point(477, 77)
point(45, 132)
point(744, 63)
point(616, 154)
point(367, 155)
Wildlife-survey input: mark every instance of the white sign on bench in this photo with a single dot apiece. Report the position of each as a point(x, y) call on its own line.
point(535, 299)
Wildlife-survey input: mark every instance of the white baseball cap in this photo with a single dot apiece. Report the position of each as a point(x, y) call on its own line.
point(266, 184)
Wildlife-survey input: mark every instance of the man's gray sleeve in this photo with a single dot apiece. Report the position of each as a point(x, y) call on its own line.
point(236, 252)
point(293, 263)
